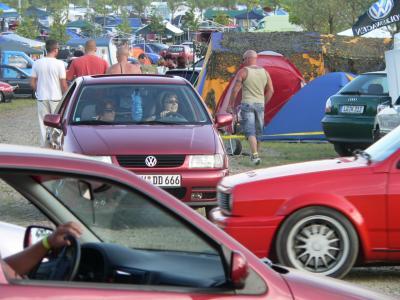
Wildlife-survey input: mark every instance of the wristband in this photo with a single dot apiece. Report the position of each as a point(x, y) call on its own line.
point(45, 243)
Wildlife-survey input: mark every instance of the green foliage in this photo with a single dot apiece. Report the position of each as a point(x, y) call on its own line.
point(28, 28)
point(156, 25)
point(140, 6)
point(173, 6)
point(190, 21)
point(222, 18)
point(125, 27)
point(58, 29)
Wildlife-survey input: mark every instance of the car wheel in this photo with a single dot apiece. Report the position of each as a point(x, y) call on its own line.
point(233, 146)
point(343, 149)
point(377, 134)
point(318, 240)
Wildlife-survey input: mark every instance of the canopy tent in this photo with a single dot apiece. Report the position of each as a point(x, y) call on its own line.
point(36, 12)
point(276, 23)
point(169, 28)
point(77, 42)
point(7, 11)
point(17, 38)
point(10, 45)
point(300, 118)
point(72, 34)
point(79, 24)
point(377, 33)
point(251, 15)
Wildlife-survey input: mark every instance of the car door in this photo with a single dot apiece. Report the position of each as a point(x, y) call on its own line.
point(393, 208)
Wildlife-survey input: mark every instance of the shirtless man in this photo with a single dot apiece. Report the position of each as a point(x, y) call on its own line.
point(123, 66)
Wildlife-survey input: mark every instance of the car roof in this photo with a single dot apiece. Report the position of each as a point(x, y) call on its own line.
point(133, 78)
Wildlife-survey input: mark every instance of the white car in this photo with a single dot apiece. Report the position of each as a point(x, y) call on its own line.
point(388, 117)
point(12, 239)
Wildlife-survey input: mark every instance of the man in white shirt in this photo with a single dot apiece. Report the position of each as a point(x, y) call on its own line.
point(48, 79)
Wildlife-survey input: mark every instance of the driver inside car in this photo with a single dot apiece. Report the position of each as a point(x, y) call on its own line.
point(20, 264)
point(170, 107)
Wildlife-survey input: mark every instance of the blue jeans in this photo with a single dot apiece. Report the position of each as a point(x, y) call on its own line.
point(252, 119)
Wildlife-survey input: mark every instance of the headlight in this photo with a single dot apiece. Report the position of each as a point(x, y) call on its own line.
point(328, 106)
point(105, 159)
point(381, 107)
point(206, 161)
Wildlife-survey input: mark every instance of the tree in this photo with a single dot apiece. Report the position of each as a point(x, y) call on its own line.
point(58, 31)
point(28, 28)
point(140, 6)
point(222, 18)
point(156, 25)
point(190, 21)
point(173, 6)
point(125, 27)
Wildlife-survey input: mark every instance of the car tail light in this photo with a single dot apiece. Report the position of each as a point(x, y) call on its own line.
point(328, 106)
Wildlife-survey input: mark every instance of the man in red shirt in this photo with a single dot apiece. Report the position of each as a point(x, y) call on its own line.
point(89, 64)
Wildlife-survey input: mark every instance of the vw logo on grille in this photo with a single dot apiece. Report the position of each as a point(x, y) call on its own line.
point(380, 9)
point(352, 99)
point(150, 161)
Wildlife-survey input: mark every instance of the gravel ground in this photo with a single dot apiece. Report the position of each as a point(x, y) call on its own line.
point(21, 127)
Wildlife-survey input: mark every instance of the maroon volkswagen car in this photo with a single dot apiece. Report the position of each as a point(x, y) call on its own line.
point(155, 126)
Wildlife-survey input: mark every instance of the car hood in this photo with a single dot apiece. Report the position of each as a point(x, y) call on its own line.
point(145, 139)
point(305, 285)
point(294, 169)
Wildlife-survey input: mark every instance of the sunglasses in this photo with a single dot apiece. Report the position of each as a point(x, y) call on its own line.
point(172, 101)
point(109, 110)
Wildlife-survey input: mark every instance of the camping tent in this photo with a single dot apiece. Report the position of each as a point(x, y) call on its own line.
point(276, 23)
point(23, 40)
point(7, 11)
point(169, 28)
point(9, 45)
point(300, 118)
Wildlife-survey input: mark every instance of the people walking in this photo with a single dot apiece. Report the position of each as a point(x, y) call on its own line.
point(89, 64)
point(257, 89)
point(123, 66)
point(48, 79)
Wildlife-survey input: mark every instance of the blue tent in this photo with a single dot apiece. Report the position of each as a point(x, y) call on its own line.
point(300, 118)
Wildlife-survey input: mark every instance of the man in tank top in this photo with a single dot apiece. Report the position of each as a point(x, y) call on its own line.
point(257, 90)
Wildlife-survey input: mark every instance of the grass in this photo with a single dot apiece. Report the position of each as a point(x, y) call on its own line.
point(16, 104)
point(279, 153)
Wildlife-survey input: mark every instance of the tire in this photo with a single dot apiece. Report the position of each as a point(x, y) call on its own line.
point(233, 146)
point(376, 134)
point(343, 149)
point(319, 240)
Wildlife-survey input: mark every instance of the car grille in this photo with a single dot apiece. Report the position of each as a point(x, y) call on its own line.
point(138, 161)
point(223, 200)
point(177, 192)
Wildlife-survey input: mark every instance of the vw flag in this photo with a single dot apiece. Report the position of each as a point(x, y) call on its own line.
point(381, 13)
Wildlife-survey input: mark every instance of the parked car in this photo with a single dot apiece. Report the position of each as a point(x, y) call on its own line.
point(181, 152)
point(190, 74)
point(157, 48)
point(18, 79)
point(184, 51)
point(137, 241)
point(321, 216)
point(154, 57)
point(349, 121)
point(388, 117)
point(6, 92)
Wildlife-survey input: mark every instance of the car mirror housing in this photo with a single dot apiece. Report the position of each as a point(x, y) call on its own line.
point(52, 120)
point(239, 270)
point(223, 119)
point(35, 233)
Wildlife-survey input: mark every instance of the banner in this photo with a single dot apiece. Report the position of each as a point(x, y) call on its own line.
point(381, 13)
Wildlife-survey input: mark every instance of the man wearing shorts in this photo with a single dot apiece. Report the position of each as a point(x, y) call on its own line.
point(257, 90)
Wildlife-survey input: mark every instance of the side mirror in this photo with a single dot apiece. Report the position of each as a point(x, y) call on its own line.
point(22, 76)
point(52, 120)
point(34, 234)
point(223, 119)
point(239, 270)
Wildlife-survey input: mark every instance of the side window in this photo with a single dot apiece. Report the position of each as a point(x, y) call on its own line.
point(9, 73)
point(17, 61)
point(63, 103)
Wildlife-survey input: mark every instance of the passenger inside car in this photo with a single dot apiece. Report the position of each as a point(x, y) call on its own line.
point(169, 108)
point(106, 111)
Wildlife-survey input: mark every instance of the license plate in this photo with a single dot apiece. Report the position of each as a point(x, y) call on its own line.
point(352, 109)
point(163, 180)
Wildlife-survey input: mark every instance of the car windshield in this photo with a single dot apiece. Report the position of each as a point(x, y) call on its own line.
point(112, 104)
point(176, 49)
point(386, 146)
point(367, 84)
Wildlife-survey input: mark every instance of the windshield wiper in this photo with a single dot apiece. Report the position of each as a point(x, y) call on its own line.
point(363, 154)
point(155, 122)
point(93, 122)
point(351, 93)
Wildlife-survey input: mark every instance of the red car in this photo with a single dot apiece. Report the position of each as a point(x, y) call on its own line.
point(184, 51)
point(179, 150)
point(138, 242)
point(6, 92)
point(322, 216)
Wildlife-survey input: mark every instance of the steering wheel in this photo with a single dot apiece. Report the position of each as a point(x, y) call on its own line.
point(67, 262)
point(64, 266)
point(174, 116)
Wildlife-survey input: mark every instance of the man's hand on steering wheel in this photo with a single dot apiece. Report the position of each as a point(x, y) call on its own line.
point(58, 238)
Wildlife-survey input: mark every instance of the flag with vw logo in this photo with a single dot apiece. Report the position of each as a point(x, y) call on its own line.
point(381, 13)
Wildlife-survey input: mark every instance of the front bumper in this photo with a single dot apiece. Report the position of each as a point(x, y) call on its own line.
point(193, 182)
point(254, 233)
point(349, 129)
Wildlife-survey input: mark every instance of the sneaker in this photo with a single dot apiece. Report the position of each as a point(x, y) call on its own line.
point(255, 159)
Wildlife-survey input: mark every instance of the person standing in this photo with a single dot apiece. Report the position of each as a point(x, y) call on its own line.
point(257, 89)
point(48, 80)
point(89, 64)
point(123, 66)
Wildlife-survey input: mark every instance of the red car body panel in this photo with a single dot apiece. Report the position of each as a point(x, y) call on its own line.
point(367, 194)
point(289, 284)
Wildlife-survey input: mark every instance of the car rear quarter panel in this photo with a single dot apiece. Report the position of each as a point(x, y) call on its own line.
point(357, 194)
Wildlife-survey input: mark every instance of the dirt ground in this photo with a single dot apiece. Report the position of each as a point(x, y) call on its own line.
point(21, 127)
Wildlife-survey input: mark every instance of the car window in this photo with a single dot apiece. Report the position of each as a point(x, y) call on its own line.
point(367, 84)
point(139, 103)
point(176, 49)
point(9, 73)
point(126, 217)
point(386, 146)
point(17, 61)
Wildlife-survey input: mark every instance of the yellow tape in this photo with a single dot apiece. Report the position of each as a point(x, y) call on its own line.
point(242, 137)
